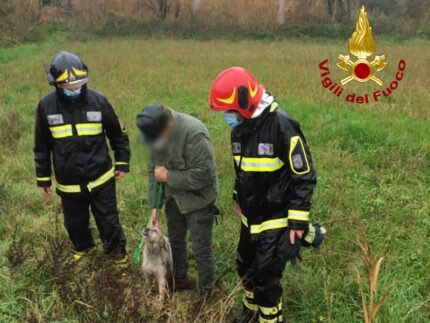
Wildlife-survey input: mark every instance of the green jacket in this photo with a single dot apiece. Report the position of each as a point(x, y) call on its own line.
point(192, 180)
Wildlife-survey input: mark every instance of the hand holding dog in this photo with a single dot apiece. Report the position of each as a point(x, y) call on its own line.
point(155, 222)
point(161, 174)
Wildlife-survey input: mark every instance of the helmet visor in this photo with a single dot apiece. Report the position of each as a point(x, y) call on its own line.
point(73, 85)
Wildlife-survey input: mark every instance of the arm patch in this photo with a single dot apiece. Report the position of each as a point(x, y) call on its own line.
point(298, 160)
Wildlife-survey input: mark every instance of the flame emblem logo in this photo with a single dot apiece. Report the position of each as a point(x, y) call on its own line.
point(362, 45)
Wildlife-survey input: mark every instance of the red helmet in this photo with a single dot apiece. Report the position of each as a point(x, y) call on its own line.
point(236, 89)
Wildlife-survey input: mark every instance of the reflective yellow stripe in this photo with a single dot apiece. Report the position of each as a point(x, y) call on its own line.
point(310, 236)
point(274, 312)
point(275, 320)
point(269, 225)
point(43, 179)
point(61, 131)
point(249, 293)
point(101, 180)
point(259, 164)
point(248, 305)
point(121, 163)
point(91, 185)
point(63, 76)
point(244, 220)
point(79, 72)
point(273, 106)
point(89, 129)
point(69, 188)
point(268, 310)
point(298, 215)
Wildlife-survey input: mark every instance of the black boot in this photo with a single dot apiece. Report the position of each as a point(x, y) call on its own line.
point(247, 316)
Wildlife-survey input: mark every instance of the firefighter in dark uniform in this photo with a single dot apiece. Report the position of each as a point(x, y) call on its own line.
point(72, 123)
point(275, 179)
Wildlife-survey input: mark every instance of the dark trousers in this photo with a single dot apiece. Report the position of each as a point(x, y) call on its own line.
point(200, 224)
point(260, 263)
point(103, 205)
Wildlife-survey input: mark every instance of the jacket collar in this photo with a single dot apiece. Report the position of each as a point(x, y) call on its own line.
point(82, 99)
point(250, 125)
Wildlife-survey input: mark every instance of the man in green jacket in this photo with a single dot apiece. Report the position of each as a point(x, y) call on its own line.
point(181, 157)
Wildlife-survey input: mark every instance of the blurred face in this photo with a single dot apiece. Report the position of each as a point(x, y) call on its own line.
point(164, 138)
point(73, 89)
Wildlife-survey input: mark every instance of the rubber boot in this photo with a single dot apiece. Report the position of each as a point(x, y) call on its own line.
point(247, 316)
point(78, 255)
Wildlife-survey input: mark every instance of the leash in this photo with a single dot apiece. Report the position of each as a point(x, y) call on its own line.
point(157, 198)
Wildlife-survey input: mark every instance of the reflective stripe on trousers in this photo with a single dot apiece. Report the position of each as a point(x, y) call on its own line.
point(270, 314)
point(249, 302)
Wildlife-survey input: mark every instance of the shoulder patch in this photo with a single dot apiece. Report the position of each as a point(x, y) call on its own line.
point(55, 119)
point(236, 147)
point(297, 156)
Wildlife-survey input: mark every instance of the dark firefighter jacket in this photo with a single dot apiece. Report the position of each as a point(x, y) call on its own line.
point(275, 176)
point(74, 133)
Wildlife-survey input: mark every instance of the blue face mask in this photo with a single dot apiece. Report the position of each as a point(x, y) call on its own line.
point(72, 94)
point(231, 119)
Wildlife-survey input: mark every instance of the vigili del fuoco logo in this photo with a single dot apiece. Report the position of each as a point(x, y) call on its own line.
point(361, 67)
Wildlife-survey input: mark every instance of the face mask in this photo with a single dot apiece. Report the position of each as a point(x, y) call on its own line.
point(230, 118)
point(72, 94)
point(160, 144)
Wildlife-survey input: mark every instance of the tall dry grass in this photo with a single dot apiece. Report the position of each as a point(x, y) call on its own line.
point(371, 265)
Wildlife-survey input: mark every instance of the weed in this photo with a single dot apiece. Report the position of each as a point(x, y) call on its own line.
point(372, 267)
point(18, 250)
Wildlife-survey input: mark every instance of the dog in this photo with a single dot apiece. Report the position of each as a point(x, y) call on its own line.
point(157, 262)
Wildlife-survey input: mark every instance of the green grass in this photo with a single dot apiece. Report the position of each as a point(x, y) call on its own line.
point(372, 162)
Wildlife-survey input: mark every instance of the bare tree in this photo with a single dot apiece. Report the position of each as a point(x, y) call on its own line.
point(195, 6)
point(281, 12)
point(348, 11)
point(159, 8)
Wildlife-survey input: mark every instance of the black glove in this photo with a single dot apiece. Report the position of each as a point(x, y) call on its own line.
point(290, 252)
point(313, 236)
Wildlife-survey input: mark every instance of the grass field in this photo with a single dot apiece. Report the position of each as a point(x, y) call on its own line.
point(373, 164)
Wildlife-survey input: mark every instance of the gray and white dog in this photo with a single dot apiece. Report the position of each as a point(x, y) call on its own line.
point(157, 262)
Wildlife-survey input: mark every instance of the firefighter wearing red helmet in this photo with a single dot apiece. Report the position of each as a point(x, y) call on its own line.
point(275, 178)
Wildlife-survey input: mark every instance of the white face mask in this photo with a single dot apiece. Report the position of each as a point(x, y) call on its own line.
point(160, 144)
